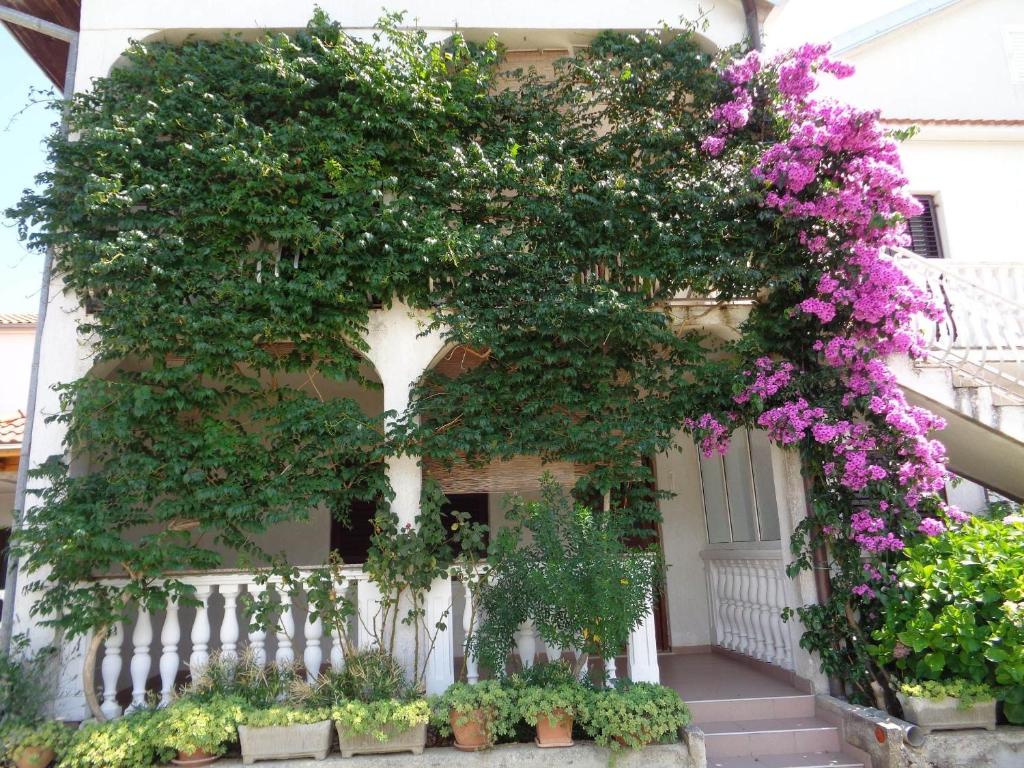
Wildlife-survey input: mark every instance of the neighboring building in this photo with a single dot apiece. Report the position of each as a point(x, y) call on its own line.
point(723, 531)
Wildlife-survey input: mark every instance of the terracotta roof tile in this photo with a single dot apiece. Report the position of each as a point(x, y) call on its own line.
point(949, 121)
point(17, 318)
point(12, 428)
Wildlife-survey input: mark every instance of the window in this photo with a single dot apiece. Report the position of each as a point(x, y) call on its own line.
point(739, 491)
point(924, 229)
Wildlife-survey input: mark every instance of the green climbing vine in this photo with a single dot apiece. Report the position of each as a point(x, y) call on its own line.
point(231, 212)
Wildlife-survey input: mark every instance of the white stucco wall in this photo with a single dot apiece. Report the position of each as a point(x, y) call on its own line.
point(16, 344)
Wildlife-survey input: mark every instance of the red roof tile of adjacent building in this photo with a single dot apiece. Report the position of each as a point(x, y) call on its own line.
point(12, 429)
point(17, 318)
point(950, 121)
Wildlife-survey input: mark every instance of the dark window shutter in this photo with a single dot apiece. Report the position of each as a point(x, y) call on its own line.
point(924, 230)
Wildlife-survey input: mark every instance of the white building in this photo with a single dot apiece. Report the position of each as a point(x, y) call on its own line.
point(954, 68)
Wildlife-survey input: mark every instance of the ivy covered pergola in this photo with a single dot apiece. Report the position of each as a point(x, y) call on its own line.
point(232, 212)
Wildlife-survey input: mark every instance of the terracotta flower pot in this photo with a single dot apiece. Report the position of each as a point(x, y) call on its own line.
point(471, 735)
point(199, 757)
point(557, 735)
point(33, 757)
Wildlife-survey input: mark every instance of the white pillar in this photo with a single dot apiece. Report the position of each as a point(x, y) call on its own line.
point(142, 637)
point(170, 659)
point(200, 631)
point(791, 501)
point(439, 671)
point(110, 671)
point(642, 651)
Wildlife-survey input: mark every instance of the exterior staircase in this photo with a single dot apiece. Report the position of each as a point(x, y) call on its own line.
point(769, 732)
point(974, 373)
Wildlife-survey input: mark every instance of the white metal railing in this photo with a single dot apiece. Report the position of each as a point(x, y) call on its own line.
point(983, 334)
point(746, 595)
point(188, 635)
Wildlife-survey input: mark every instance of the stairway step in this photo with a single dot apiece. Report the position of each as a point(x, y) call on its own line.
point(778, 736)
point(764, 708)
point(804, 760)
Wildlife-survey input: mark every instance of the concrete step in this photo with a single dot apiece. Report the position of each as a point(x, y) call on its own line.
point(766, 708)
point(777, 736)
point(804, 760)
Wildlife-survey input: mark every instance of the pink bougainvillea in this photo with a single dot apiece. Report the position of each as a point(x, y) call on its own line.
point(835, 173)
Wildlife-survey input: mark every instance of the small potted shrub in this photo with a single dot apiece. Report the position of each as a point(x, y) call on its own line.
point(635, 715)
point(476, 715)
point(199, 731)
point(37, 746)
point(376, 710)
point(281, 732)
point(552, 710)
point(951, 705)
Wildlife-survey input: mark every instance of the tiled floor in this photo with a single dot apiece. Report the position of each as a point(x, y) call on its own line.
point(712, 676)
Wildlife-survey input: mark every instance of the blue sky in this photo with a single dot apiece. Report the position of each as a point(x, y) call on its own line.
point(22, 156)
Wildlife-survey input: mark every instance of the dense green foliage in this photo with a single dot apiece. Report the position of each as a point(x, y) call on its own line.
point(233, 211)
point(567, 569)
point(126, 743)
point(968, 693)
point(191, 725)
point(957, 611)
point(635, 715)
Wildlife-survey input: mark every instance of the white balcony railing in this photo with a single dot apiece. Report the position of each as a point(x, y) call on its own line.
point(746, 595)
point(189, 634)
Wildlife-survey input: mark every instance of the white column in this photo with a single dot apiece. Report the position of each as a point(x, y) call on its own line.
point(367, 608)
point(200, 636)
point(643, 650)
point(229, 626)
point(170, 636)
point(791, 502)
point(468, 626)
point(552, 652)
point(142, 637)
point(110, 671)
point(439, 671)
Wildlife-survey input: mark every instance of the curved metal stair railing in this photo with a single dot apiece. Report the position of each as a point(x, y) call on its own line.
point(983, 333)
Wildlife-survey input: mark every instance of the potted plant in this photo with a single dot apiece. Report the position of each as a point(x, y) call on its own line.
point(552, 710)
point(283, 732)
point(476, 715)
point(376, 710)
point(199, 731)
point(952, 705)
point(37, 746)
point(635, 715)
point(125, 743)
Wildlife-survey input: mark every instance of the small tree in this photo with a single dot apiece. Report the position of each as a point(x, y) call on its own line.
point(570, 570)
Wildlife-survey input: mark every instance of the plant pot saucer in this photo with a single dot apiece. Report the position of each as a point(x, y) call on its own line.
point(554, 744)
point(196, 761)
point(470, 748)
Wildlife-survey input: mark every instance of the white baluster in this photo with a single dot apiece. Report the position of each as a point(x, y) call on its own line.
point(774, 606)
point(526, 643)
point(368, 609)
point(472, 672)
point(610, 672)
point(229, 625)
point(337, 650)
point(746, 583)
point(312, 654)
point(142, 637)
point(285, 655)
point(767, 611)
point(583, 660)
point(552, 651)
point(717, 592)
point(758, 616)
point(200, 634)
point(728, 604)
point(439, 665)
point(110, 671)
point(170, 636)
point(257, 635)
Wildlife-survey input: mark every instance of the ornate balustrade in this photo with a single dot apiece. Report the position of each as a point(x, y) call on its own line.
point(746, 595)
point(137, 658)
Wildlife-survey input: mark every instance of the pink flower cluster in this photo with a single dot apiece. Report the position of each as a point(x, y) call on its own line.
point(837, 175)
point(714, 436)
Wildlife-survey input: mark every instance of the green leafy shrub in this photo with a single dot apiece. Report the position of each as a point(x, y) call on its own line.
point(244, 677)
point(571, 699)
point(635, 715)
point(190, 725)
point(48, 735)
point(126, 743)
point(25, 683)
point(967, 692)
point(283, 715)
point(367, 676)
point(380, 716)
point(488, 703)
point(574, 576)
point(957, 611)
